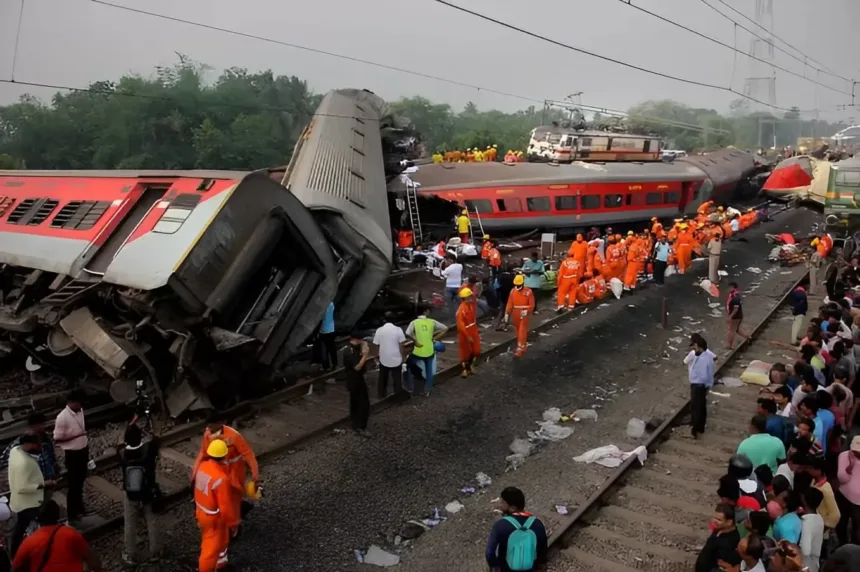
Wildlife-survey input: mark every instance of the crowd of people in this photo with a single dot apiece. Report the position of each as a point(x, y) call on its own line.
point(790, 498)
point(476, 155)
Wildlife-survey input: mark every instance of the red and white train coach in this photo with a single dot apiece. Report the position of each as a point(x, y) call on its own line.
point(528, 195)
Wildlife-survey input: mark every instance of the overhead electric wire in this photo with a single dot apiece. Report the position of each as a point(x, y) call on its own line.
point(600, 56)
point(17, 38)
point(725, 45)
point(745, 17)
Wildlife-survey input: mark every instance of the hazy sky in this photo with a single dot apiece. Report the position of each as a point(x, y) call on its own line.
point(74, 42)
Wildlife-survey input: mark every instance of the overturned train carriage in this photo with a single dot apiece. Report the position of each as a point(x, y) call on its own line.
point(199, 283)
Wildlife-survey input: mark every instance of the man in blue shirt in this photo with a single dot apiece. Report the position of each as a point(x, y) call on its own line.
point(811, 407)
point(513, 507)
point(775, 426)
point(700, 367)
point(533, 269)
point(324, 350)
point(661, 259)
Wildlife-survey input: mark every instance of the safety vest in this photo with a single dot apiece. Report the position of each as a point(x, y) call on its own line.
point(206, 483)
point(424, 330)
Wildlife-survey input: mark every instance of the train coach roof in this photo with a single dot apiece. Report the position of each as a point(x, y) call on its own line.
point(850, 163)
point(142, 174)
point(464, 175)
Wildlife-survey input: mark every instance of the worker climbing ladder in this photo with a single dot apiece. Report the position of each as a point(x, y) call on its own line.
point(414, 214)
point(472, 227)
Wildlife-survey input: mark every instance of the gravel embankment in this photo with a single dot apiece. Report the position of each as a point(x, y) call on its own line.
point(346, 492)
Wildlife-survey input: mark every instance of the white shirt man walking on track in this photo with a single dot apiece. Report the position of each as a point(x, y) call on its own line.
point(700, 367)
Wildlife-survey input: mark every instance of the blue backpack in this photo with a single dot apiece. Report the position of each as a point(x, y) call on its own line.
point(522, 545)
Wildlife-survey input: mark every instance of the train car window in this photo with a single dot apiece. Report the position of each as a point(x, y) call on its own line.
point(590, 202)
point(510, 205)
point(653, 198)
point(585, 142)
point(565, 203)
point(538, 204)
point(671, 197)
point(638, 199)
point(480, 205)
point(613, 201)
point(628, 199)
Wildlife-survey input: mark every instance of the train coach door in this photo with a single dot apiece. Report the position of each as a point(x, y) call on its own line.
point(686, 195)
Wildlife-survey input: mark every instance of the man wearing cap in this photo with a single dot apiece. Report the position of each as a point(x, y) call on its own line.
point(849, 493)
point(485, 248)
point(468, 337)
point(423, 331)
point(356, 356)
point(463, 226)
point(521, 305)
point(216, 513)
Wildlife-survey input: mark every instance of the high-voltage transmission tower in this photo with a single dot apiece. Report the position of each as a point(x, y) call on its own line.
point(760, 84)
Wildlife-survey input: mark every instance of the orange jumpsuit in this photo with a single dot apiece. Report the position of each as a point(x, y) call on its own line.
point(521, 304)
point(636, 256)
point(586, 291)
point(568, 277)
point(821, 248)
point(239, 458)
point(673, 234)
point(495, 258)
point(705, 208)
point(614, 261)
point(657, 229)
point(468, 337)
point(485, 249)
point(827, 241)
point(727, 230)
point(579, 250)
point(216, 513)
point(684, 248)
point(600, 287)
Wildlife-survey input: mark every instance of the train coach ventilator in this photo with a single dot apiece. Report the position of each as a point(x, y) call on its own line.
point(196, 281)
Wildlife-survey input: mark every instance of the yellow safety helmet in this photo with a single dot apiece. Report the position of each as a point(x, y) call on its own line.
point(486, 237)
point(466, 293)
point(464, 212)
point(495, 146)
point(629, 233)
point(217, 449)
point(488, 147)
point(653, 219)
point(815, 242)
point(720, 209)
point(701, 225)
point(519, 280)
point(252, 491)
point(684, 226)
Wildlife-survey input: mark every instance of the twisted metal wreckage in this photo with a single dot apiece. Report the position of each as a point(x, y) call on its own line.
point(200, 283)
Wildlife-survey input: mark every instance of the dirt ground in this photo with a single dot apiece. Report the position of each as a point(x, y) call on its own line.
point(346, 493)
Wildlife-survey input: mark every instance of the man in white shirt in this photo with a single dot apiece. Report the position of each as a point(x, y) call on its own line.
point(389, 340)
point(70, 433)
point(812, 529)
point(453, 275)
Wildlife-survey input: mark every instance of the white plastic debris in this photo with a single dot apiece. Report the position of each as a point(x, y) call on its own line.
point(552, 414)
point(550, 432)
point(731, 382)
point(754, 270)
point(717, 393)
point(585, 414)
point(454, 507)
point(604, 305)
point(635, 428)
point(722, 273)
point(561, 509)
point(617, 287)
point(611, 456)
point(714, 305)
point(377, 557)
point(786, 272)
point(483, 480)
point(521, 447)
point(710, 288)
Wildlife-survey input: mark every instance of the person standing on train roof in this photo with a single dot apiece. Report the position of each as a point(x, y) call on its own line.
point(568, 275)
point(533, 269)
point(661, 259)
point(579, 250)
point(240, 457)
point(510, 157)
point(468, 336)
point(684, 248)
point(520, 306)
point(464, 225)
point(485, 248)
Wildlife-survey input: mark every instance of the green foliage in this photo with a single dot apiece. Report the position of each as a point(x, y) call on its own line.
point(175, 119)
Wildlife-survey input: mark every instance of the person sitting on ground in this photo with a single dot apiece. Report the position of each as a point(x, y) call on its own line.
point(54, 546)
point(760, 447)
point(723, 542)
point(516, 536)
point(812, 533)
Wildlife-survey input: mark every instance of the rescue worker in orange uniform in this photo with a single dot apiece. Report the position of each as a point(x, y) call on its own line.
point(636, 256)
point(468, 336)
point(684, 248)
point(705, 208)
point(217, 515)
point(579, 250)
point(673, 232)
point(821, 246)
point(593, 258)
point(727, 228)
point(510, 157)
point(614, 259)
point(586, 291)
point(569, 273)
point(485, 248)
point(239, 457)
point(700, 238)
point(656, 227)
point(494, 259)
point(521, 304)
point(600, 286)
point(828, 241)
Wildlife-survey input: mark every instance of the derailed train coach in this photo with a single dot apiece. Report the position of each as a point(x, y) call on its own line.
point(198, 283)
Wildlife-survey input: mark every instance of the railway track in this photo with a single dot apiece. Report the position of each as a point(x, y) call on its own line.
point(654, 517)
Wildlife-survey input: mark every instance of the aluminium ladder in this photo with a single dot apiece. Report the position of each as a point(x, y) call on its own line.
point(414, 214)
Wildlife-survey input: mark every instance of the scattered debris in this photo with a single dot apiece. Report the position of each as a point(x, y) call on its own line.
point(585, 415)
point(483, 480)
point(561, 509)
point(611, 456)
point(754, 270)
point(722, 273)
point(454, 507)
point(635, 428)
point(468, 490)
point(731, 381)
point(714, 305)
point(377, 557)
point(719, 394)
point(553, 414)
